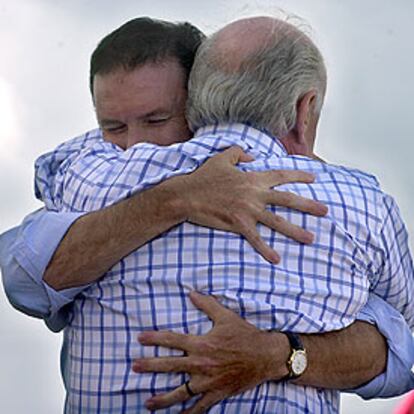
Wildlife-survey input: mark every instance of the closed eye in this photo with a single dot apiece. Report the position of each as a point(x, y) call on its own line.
point(155, 121)
point(115, 129)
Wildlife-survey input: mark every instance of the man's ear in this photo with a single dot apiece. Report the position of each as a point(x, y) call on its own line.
point(305, 110)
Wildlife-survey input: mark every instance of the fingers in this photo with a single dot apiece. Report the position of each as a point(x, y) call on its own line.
point(180, 395)
point(282, 226)
point(235, 155)
point(163, 364)
point(253, 237)
point(167, 339)
point(210, 306)
point(203, 404)
point(296, 202)
point(278, 177)
point(176, 396)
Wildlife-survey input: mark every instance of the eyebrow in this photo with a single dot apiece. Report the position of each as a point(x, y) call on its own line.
point(112, 122)
point(109, 122)
point(157, 112)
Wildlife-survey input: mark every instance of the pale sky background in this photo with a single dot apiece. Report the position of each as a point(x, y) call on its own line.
point(44, 99)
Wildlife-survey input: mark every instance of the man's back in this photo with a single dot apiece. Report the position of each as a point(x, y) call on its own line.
point(315, 288)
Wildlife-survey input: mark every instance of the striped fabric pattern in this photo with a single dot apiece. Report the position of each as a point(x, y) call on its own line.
point(361, 245)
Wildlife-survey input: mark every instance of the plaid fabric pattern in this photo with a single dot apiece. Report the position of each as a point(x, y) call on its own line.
point(360, 246)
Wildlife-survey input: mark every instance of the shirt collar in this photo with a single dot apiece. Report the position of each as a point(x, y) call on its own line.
point(259, 140)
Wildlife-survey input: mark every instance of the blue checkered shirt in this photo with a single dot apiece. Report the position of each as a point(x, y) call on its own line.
point(360, 245)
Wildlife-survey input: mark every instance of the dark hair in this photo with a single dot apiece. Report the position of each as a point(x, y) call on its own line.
point(143, 40)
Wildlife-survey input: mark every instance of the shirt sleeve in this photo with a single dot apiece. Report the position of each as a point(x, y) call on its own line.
point(25, 252)
point(399, 375)
point(393, 279)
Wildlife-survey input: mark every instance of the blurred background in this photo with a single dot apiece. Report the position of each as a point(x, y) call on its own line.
point(44, 99)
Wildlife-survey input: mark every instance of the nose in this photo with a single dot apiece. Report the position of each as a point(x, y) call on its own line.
point(135, 135)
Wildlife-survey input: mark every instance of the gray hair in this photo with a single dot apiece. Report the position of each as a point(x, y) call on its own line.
point(263, 91)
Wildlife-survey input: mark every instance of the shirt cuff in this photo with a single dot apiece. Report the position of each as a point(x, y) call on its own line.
point(38, 238)
point(399, 375)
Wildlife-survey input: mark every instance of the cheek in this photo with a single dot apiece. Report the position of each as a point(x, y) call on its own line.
point(176, 132)
point(185, 131)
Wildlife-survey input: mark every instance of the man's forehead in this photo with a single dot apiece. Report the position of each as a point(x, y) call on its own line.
point(150, 89)
point(169, 69)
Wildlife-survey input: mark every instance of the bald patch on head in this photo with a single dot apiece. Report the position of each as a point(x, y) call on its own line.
point(238, 42)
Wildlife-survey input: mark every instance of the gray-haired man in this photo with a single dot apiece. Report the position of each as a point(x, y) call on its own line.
point(281, 357)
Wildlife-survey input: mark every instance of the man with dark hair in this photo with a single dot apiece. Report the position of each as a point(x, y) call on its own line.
point(154, 41)
point(144, 103)
point(160, 48)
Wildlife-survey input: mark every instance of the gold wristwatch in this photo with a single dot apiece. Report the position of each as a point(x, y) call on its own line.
point(298, 360)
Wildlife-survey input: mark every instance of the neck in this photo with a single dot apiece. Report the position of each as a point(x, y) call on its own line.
point(293, 147)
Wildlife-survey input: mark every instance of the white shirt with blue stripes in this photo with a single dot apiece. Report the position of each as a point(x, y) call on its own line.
point(360, 246)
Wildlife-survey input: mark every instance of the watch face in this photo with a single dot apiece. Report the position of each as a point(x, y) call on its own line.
point(299, 362)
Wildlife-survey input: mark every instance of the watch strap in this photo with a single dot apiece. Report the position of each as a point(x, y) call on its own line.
point(295, 341)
